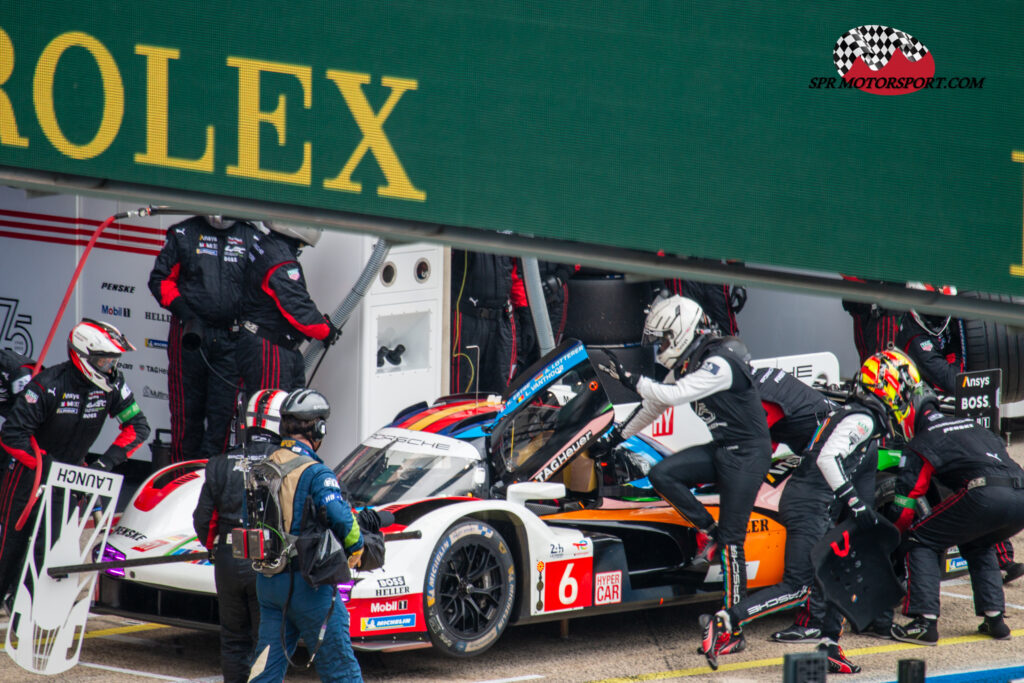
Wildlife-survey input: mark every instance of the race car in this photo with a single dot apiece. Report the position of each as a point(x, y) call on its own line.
point(508, 510)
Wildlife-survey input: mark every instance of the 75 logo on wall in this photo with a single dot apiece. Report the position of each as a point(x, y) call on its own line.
point(14, 328)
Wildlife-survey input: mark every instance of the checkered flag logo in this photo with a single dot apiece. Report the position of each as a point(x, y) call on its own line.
point(875, 44)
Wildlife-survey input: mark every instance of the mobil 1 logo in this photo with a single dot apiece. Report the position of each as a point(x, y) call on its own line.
point(977, 396)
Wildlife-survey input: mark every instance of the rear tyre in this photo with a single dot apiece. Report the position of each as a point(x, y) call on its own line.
point(469, 589)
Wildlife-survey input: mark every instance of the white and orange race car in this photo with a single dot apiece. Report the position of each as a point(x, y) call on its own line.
point(507, 511)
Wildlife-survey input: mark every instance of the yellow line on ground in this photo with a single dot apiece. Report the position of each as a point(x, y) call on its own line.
point(114, 631)
point(777, 661)
point(123, 629)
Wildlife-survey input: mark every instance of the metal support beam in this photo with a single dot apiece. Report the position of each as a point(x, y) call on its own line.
point(564, 251)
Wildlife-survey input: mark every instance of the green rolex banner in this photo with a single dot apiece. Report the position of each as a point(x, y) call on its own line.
point(877, 140)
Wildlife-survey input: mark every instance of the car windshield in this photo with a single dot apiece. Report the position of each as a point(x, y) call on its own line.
point(379, 476)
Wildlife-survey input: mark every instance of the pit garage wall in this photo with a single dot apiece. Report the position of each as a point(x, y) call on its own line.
point(42, 238)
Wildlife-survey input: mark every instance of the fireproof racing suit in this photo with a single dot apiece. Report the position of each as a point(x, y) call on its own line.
point(716, 300)
point(874, 327)
point(794, 410)
point(844, 452)
point(987, 506)
point(554, 278)
point(724, 396)
point(220, 509)
point(277, 315)
point(15, 373)
point(938, 358)
point(483, 317)
point(64, 412)
point(198, 276)
point(308, 607)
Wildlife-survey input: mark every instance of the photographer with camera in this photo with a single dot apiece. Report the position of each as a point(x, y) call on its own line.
point(290, 605)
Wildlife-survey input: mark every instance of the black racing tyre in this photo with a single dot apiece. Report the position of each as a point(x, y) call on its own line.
point(606, 310)
point(469, 589)
point(990, 345)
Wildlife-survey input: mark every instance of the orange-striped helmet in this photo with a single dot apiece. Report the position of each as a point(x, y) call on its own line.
point(890, 376)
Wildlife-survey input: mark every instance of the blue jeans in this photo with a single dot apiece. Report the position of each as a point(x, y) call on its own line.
point(335, 661)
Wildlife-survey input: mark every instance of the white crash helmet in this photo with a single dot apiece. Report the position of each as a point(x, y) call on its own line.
point(264, 410)
point(672, 324)
point(934, 325)
point(95, 347)
point(306, 235)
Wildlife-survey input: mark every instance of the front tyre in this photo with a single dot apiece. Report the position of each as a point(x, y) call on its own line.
point(469, 589)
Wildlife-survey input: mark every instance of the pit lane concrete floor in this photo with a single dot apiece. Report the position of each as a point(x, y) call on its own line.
point(651, 645)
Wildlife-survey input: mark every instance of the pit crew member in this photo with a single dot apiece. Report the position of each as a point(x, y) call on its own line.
point(316, 614)
point(839, 463)
point(987, 507)
point(483, 316)
point(63, 409)
point(220, 509)
point(15, 373)
point(198, 276)
point(712, 373)
point(277, 313)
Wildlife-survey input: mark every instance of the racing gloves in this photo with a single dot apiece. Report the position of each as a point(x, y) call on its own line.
point(863, 516)
point(617, 371)
point(333, 332)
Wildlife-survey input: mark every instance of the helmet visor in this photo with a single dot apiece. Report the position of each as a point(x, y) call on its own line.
point(105, 364)
point(661, 339)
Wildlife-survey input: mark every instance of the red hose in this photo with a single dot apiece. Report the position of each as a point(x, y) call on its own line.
point(39, 363)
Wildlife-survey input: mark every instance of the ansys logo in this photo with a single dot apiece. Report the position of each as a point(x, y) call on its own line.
point(882, 60)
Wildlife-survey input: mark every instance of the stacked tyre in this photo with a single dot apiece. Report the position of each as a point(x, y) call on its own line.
point(989, 345)
point(607, 314)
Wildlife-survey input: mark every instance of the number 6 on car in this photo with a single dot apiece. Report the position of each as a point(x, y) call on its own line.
point(568, 584)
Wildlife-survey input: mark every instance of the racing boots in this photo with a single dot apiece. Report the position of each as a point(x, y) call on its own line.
point(879, 628)
point(707, 546)
point(920, 631)
point(797, 634)
point(719, 638)
point(995, 627)
point(837, 661)
point(1013, 571)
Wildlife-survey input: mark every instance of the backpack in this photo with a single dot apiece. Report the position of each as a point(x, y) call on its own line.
point(320, 556)
point(270, 493)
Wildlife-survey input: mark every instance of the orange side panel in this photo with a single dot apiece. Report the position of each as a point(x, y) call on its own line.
point(765, 544)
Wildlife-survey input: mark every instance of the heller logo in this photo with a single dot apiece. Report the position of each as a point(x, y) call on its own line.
point(882, 60)
point(159, 317)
